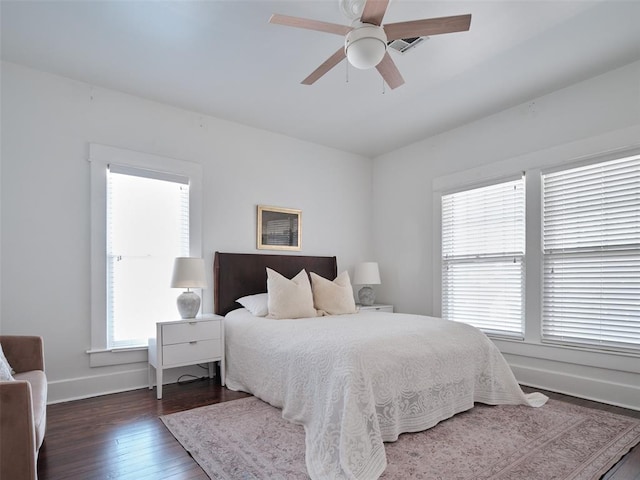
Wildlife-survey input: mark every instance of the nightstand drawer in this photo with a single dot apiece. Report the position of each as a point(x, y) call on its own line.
point(376, 308)
point(385, 308)
point(189, 332)
point(192, 352)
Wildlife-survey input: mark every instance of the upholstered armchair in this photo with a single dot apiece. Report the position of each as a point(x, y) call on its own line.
point(23, 407)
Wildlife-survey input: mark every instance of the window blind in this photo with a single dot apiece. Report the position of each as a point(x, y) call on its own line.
point(591, 241)
point(147, 227)
point(483, 238)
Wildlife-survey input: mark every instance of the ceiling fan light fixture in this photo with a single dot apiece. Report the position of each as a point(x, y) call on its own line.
point(365, 46)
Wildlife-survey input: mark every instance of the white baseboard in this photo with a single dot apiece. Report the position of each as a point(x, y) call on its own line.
point(93, 386)
point(599, 390)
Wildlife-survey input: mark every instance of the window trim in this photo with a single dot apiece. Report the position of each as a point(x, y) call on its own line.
point(100, 156)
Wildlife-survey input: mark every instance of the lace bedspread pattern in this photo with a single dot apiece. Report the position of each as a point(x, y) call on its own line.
point(356, 381)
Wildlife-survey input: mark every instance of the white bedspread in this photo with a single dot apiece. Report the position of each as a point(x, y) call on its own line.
point(356, 381)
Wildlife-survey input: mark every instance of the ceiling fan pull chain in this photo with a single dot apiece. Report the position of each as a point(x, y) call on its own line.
point(383, 88)
point(347, 72)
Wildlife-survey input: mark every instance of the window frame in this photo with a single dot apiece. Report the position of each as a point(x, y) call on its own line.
point(492, 257)
point(100, 156)
point(572, 342)
point(117, 173)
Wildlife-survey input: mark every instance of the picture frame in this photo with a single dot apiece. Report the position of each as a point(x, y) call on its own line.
point(279, 228)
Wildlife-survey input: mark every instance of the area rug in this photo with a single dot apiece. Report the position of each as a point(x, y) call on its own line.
point(247, 439)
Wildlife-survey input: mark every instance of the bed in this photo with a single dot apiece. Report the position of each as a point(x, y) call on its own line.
point(358, 380)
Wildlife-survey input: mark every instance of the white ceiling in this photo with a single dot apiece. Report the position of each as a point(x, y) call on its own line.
point(224, 59)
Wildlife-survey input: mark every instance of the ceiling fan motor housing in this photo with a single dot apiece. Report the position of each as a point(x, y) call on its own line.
point(365, 46)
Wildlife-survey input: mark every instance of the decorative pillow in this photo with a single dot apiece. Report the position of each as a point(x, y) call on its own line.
point(333, 298)
point(289, 298)
point(257, 304)
point(5, 369)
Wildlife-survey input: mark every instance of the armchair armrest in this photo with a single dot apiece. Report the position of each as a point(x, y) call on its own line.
point(24, 353)
point(18, 451)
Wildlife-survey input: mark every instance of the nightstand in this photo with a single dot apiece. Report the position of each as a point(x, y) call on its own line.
point(376, 308)
point(186, 342)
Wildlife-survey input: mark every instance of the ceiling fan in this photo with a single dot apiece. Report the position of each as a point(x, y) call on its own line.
point(365, 44)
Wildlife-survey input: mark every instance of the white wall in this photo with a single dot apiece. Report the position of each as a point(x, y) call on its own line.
point(593, 116)
point(47, 125)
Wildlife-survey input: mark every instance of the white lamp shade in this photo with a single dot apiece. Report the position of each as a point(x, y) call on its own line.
point(367, 273)
point(188, 272)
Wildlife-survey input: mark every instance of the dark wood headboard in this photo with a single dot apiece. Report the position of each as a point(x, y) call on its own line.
point(238, 274)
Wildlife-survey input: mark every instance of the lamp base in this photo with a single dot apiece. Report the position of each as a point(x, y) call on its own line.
point(366, 296)
point(188, 304)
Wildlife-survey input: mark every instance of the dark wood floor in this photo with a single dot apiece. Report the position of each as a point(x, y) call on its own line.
point(119, 436)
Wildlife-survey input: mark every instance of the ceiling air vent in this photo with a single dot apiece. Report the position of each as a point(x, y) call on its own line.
point(404, 44)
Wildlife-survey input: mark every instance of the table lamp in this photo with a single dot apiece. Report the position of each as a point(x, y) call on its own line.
point(188, 273)
point(366, 274)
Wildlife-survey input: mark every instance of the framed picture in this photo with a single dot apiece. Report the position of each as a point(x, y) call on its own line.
point(279, 228)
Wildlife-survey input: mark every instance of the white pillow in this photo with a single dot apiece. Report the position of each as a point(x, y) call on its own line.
point(289, 298)
point(5, 368)
point(333, 298)
point(257, 304)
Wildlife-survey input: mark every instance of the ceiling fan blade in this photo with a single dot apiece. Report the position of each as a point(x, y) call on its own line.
point(427, 27)
point(310, 24)
point(390, 72)
point(328, 64)
point(374, 11)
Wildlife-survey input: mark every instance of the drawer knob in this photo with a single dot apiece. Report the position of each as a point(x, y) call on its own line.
point(193, 342)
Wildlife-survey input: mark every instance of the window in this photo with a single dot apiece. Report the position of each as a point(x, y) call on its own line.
point(591, 237)
point(145, 210)
point(482, 257)
point(147, 227)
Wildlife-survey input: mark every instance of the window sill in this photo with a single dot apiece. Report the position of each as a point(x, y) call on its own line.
point(117, 356)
